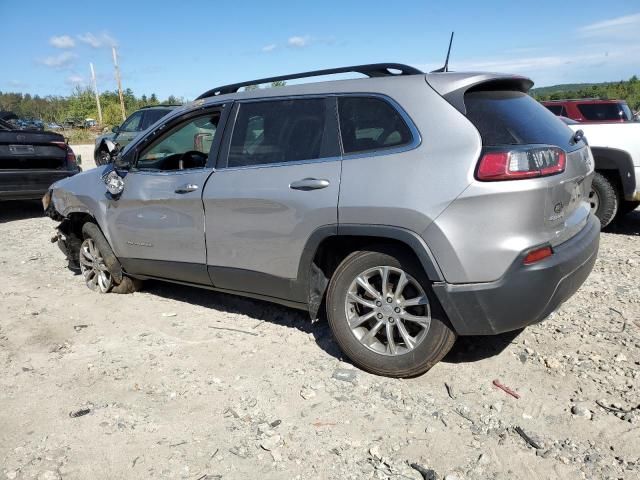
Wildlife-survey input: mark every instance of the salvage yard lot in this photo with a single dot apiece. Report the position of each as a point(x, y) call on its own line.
point(175, 382)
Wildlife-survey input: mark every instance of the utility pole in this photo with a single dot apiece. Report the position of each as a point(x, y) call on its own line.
point(95, 89)
point(115, 64)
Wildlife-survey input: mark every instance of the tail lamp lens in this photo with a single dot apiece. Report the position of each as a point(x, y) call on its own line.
point(537, 255)
point(520, 164)
point(71, 156)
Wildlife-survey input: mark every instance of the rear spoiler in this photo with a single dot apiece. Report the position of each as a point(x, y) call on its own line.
point(453, 86)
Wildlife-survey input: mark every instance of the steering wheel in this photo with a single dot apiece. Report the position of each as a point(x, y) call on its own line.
point(191, 154)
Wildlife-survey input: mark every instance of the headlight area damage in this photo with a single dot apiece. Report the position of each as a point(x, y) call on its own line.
point(70, 235)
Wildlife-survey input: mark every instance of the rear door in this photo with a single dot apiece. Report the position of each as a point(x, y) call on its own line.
point(278, 182)
point(156, 226)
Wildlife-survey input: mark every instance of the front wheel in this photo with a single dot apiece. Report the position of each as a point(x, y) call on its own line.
point(384, 315)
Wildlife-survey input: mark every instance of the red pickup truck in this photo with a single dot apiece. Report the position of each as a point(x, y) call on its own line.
point(591, 110)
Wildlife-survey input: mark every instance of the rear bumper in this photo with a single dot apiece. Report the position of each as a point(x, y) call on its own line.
point(29, 184)
point(526, 294)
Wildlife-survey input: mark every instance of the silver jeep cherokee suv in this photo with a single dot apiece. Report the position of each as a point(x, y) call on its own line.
point(411, 207)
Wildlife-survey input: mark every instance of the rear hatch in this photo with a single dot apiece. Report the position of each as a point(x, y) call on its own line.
point(535, 144)
point(31, 150)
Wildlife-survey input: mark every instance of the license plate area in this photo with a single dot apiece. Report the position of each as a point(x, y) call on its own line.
point(21, 149)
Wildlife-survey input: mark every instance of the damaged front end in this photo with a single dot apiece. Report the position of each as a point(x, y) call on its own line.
point(69, 243)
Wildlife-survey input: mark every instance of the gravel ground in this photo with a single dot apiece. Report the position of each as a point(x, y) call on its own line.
point(176, 382)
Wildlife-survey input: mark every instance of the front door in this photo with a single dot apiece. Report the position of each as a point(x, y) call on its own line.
point(156, 226)
point(277, 183)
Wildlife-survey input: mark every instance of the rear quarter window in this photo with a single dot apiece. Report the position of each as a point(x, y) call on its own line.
point(369, 124)
point(514, 118)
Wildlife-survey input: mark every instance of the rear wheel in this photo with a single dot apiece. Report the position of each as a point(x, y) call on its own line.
point(384, 315)
point(603, 199)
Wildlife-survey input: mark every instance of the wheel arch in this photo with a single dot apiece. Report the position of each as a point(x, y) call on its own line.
point(617, 165)
point(329, 245)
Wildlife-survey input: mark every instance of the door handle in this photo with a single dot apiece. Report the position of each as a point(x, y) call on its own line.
point(189, 187)
point(307, 184)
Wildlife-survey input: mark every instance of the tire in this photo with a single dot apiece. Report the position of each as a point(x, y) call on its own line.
point(102, 157)
point(399, 358)
point(604, 199)
point(627, 207)
point(98, 265)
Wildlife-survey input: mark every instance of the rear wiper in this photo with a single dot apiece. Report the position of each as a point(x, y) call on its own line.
point(576, 137)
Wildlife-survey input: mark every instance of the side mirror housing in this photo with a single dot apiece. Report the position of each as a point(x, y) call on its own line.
point(115, 129)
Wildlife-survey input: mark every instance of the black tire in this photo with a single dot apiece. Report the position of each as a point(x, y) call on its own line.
point(606, 205)
point(121, 283)
point(102, 157)
point(438, 339)
point(627, 207)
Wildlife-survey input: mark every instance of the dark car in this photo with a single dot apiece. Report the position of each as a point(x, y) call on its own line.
point(591, 110)
point(31, 160)
point(135, 123)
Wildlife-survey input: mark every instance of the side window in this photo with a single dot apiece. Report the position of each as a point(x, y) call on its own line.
point(368, 124)
point(133, 123)
point(152, 116)
point(555, 109)
point(185, 146)
point(279, 131)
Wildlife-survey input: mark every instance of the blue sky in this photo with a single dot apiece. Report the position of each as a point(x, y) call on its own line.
point(184, 48)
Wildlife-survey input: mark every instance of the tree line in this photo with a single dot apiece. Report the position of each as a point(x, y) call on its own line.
point(79, 105)
point(628, 90)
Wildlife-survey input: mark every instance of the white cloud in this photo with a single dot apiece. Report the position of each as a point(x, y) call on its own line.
point(62, 41)
point(615, 27)
point(75, 80)
point(269, 48)
point(298, 41)
point(62, 60)
point(98, 41)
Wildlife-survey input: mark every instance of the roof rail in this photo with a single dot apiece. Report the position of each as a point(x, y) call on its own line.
point(371, 70)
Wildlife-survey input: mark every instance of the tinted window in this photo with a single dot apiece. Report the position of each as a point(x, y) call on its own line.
point(184, 146)
point(556, 109)
point(514, 118)
point(152, 116)
point(133, 123)
point(278, 131)
point(370, 124)
point(603, 111)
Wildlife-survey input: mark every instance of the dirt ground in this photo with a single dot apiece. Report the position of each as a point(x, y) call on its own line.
point(177, 382)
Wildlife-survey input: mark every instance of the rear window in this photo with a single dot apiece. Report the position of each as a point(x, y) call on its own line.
point(605, 111)
point(514, 118)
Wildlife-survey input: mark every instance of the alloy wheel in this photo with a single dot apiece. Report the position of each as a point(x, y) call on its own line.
point(95, 272)
point(388, 310)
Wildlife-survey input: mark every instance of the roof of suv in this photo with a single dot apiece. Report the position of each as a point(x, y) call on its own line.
point(382, 76)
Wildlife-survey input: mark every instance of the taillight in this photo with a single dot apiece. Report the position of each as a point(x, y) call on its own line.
point(71, 156)
point(517, 164)
point(538, 254)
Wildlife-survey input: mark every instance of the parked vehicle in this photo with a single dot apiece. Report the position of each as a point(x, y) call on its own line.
point(30, 161)
point(615, 190)
point(591, 110)
point(413, 207)
point(135, 123)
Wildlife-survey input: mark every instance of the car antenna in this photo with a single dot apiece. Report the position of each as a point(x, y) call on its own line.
point(445, 68)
